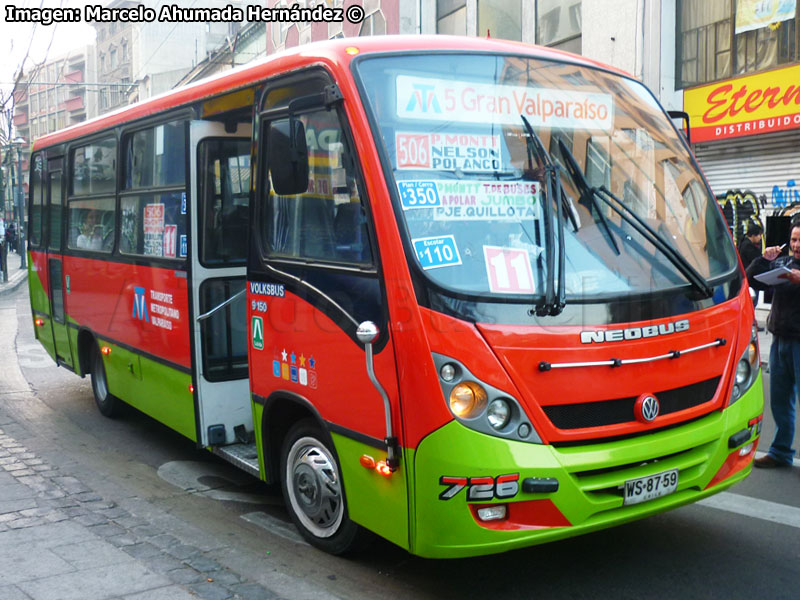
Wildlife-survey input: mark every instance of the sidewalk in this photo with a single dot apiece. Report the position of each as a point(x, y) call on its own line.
point(61, 541)
point(15, 275)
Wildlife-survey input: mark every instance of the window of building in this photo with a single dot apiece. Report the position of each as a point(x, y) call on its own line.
point(720, 39)
point(102, 62)
point(451, 17)
point(373, 24)
point(558, 24)
point(113, 54)
point(124, 50)
point(500, 19)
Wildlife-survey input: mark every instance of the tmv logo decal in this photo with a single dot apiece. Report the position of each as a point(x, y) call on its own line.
point(424, 96)
point(140, 305)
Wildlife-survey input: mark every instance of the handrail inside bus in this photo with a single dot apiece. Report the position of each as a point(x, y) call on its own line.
point(206, 315)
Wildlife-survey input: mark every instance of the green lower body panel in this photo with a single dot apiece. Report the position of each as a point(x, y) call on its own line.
point(374, 501)
point(158, 390)
point(458, 471)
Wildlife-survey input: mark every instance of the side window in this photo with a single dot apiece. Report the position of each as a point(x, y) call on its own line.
point(94, 168)
point(91, 224)
point(36, 202)
point(224, 190)
point(91, 206)
point(328, 221)
point(56, 206)
point(153, 202)
point(153, 225)
point(154, 157)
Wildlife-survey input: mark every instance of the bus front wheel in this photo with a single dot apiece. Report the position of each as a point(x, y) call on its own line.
point(314, 493)
point(107, 403)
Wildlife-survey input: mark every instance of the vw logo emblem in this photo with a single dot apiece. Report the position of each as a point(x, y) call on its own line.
point(646, 408)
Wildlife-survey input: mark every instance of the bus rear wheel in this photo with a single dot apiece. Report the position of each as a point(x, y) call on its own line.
point(314, 493)
point(107, 403)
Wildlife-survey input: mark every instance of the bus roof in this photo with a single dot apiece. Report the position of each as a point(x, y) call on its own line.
point(331, 53)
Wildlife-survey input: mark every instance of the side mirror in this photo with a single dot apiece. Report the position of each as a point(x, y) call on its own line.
point(288, 157)
point(684, 117)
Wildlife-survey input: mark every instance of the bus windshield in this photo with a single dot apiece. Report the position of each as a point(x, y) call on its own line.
point(473, 193)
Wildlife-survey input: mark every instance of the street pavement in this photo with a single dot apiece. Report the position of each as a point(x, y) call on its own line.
point(59, 540)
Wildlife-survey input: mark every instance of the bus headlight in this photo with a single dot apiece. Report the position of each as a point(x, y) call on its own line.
point(742, 372)
point(747, 368)
point(498, 413)
point(467, 400)
point(480, 406)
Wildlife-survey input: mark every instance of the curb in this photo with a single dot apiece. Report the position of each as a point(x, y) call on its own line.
point(15, 282)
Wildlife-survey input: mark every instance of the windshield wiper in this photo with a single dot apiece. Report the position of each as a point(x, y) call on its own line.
point(640, 225)
point(554, 301)
point(656, 239)
point(585, 190)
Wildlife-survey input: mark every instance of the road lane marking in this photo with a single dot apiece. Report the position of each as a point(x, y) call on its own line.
point(754, 507)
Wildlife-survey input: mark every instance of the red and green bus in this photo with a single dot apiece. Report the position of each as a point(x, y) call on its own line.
point(468, 295)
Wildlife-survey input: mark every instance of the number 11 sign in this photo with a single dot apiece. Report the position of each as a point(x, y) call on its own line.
point(509, 270)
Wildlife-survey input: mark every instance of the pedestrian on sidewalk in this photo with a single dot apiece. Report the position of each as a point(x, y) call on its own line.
point(750, 245)
point(784, 355)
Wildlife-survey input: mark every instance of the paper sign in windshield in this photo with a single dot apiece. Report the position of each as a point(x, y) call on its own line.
point(435, 252)
point(509, 270)
point(154, 229)
point(451, 152)
point(464, 200)
point(467, 102)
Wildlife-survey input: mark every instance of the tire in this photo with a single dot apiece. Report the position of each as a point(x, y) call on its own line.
point(107, 403)
point(314, 492)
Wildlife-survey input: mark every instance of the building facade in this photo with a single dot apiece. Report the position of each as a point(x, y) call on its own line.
point(738, 71)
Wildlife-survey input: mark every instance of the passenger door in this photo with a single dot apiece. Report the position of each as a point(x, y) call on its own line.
point(313, 277)
point(220, 187)
point(59, 285)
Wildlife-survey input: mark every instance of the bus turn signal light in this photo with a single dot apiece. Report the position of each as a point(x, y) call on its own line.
point(105, 350)
point(39, 322)
point(380, 466)
point(383, 468)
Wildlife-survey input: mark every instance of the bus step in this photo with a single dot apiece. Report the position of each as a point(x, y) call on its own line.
point(244, 456)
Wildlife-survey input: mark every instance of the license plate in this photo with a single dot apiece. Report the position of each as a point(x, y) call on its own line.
point(650, 487)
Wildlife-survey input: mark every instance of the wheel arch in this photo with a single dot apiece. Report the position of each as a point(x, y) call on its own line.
point(86, 343)
point(281, 411)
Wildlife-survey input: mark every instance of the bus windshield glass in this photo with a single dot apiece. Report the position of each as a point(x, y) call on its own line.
point(471, 183)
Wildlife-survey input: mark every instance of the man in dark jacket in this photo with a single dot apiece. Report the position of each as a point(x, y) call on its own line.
point(784, 355)
point(750, 246)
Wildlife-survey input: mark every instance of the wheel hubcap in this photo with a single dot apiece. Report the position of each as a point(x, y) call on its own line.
point(314, 487)
point(98, 377)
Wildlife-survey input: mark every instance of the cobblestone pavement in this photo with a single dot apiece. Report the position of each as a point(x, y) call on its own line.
point(60, 541)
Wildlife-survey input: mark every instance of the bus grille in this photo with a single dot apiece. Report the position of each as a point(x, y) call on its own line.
point(620, 410)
